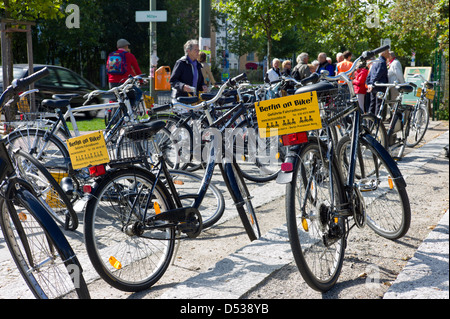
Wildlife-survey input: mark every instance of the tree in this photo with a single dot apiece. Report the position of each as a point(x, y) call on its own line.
point(268, 18)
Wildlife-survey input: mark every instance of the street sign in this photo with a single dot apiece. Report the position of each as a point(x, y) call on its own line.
point(151, 16)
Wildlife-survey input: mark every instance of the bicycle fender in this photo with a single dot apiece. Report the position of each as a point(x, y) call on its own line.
point(285, 177)
point(369, 139)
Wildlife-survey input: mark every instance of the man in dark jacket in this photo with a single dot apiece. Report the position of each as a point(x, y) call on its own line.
point(187, 73)
point(378, 73)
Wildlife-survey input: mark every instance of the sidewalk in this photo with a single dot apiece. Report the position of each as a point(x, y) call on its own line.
point(426, 275)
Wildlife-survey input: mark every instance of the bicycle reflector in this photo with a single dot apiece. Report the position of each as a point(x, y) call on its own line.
point(295, 138)
point(97, 170)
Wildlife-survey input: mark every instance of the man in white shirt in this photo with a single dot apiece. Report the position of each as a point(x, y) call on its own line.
point(274, 73)
point(395, 74)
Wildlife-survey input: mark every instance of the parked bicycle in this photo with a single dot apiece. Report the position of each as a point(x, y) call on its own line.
point(396, 136)
point(135, 216)
point(322, 206)
point(40, 250)
point(420, 116)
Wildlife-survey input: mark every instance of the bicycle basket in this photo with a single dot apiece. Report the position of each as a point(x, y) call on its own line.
point(133, 146)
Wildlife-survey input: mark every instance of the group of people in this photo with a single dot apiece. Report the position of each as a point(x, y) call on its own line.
point(386, 69)
point(191, 73)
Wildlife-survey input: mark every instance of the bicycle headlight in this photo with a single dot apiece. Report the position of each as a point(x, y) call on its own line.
point(380, 95)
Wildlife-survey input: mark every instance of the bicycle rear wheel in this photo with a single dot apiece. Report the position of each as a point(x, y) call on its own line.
point(316, 229)
point(417, 126)
point(41, 252)
point(125, 251)
point(32, 142)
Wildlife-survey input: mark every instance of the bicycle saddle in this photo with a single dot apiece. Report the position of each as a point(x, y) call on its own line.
point(55, 104)
point(405, 88)
point(143, 131)
point(64, 96)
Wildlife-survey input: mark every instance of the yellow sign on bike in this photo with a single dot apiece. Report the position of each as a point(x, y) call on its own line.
point(290, 114)
point(88, 150)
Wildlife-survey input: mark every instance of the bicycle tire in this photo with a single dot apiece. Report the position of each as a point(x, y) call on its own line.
point(26, 138)
point(179, 132)
point(386, 199)
point(31, 234)
point(375, 127)
point(241, 196)
point(307, 232)
point(48, 189)
point(256, 171)
point(125, 258)
point(188, 184)
point(418, 126)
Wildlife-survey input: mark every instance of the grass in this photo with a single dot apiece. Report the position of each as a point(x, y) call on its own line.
point(94, 124)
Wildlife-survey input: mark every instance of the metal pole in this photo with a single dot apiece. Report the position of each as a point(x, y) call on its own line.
point(152, 46)
point(205, 25)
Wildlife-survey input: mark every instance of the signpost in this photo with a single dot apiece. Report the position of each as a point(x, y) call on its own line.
point(152, 17)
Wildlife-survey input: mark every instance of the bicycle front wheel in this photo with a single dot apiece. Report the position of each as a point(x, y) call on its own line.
point(47, 188)
point(242, 198)
point(316, 229)
point(385, 198)
point(45, 261)
point(126, 251)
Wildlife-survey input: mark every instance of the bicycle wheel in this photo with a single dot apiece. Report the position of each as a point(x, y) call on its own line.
point(125, 251)
point(242, 198)
point(259, 159)
point(39, 249)
point(32, 142)
point(375, 127)
point(47, 189)
point(188, 184)
point(385, 198)
point(418, 126)
point(176, 142)
point(316, 229)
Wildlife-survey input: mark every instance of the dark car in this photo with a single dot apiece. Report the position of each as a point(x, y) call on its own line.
point(59, 81)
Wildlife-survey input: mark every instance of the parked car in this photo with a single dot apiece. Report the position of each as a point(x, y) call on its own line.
point(59, 81)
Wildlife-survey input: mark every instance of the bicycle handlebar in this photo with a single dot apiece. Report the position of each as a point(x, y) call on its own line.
point(19, 85)
point(230, 83)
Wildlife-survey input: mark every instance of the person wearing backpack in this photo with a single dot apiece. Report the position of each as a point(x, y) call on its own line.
point(120, 64)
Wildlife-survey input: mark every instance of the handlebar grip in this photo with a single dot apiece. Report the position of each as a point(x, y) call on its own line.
point(236, 79)
point(414, 85)
point(381, 49)
point(312, 78)
point(369, 54)
point(161, 108)
point(23, 83)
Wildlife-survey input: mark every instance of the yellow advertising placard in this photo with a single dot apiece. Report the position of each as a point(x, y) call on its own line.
point(88, 150)
point(290, 114)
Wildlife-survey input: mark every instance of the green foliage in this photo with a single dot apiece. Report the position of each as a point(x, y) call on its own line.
point(30, 10)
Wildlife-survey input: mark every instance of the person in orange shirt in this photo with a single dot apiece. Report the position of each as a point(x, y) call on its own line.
point(344, 65)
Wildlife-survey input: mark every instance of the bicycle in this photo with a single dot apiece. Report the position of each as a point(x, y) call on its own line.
point(46, 145)
point(400, 121)
point(420, 117)
point(42, 254)
point(132, 218)
point(320, 203)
